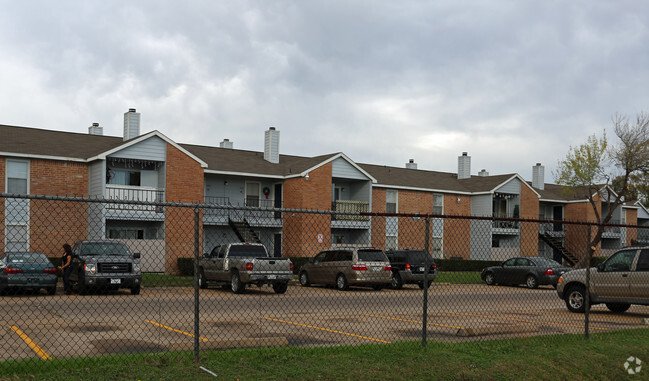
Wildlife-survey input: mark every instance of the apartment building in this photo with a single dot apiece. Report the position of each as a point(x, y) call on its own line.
point(151, 167)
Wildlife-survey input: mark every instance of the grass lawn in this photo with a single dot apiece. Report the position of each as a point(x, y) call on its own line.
point(568, 357)
point(162, 280)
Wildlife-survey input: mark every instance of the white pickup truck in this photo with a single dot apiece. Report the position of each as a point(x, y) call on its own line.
point(240, 264)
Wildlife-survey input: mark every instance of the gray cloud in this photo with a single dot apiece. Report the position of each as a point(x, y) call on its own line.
point(511, 82)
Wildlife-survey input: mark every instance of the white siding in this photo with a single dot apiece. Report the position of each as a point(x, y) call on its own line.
point(97, 178)
point(154, 149)
point(513, 186)
point(343, 169)
point(481, 205)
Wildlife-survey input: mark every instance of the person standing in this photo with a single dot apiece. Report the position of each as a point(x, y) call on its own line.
point(66, 267)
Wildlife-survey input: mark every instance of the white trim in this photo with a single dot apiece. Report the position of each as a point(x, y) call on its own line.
point(45, 157)
point(247, 174)
point(426, 189)
point(344, 157)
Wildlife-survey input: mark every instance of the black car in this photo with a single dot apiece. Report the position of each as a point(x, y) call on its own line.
point(408, 267)
point(531, 271)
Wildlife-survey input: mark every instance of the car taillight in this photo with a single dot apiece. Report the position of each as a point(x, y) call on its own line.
point(435, 266)
point(549, 272)
point(291, 266)
point(13, 270)
point(50, 270)
point(249, 266)
point(361, 267)
point(407, 266)
point(388, 268)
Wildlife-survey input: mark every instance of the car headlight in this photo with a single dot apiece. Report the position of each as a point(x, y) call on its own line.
point(91, 268)
point(560, 279)
point(136, 268)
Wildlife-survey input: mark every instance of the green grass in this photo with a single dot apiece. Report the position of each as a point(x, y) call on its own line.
point(162, 280)
point(539, 358)
point(458, 277)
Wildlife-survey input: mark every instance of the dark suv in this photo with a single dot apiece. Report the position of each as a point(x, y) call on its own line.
point(408, 267)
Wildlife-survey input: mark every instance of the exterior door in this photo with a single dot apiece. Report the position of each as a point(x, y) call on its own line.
point(613, 279)
point(639, 279)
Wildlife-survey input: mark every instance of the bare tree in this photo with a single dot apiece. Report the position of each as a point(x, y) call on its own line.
point(588, 171)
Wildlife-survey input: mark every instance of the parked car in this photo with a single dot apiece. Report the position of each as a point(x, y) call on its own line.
point(27, 270)
point(240, 264)
point(619, 282)
point(530, 271)
point(105, 264)
point(408, 267)
point(348, 266)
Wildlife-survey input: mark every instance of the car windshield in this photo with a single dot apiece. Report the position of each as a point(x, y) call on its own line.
point(547, 262)
point(13, 258)
point(372, 256)
point(418, 257)
point(104, 248)
point(247, 251)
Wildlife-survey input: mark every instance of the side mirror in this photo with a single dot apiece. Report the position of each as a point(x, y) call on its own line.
point(312, 260)
point(600, 267)
point(136, 255)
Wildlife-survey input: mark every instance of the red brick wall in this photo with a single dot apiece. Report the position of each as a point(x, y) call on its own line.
point(576, 240)
point(457, 239)
point(631, 219)
point(3, 187)
point(529, 231)
point(184, 183)
point(53, 223)
point(302, 233)
point(412, 231)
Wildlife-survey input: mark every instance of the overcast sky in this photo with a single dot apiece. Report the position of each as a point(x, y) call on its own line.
point(512, 83)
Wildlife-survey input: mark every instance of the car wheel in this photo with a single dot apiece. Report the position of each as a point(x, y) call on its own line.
point(135, 290)
point(618, 307)
point(341, 282)
point(490, 279)
point(235, 284)
point(576, 299)
point(397, 283)
point(51, 290)
point(280, 288)
point(304, 279)
point(531, 281)
point(202, 282)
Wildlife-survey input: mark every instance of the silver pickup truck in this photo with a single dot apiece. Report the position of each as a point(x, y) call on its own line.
point(240, 264)
point(619, 282)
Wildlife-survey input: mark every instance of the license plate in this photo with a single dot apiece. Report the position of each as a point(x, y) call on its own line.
point(421, 269)
point(272, 277)
point(115, 281)
point(32, 280)
point(376, 268)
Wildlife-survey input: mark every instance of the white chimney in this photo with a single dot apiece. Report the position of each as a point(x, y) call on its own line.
point(538, 176)
point(226, 143)
point(411, 164)
point(463, 166)
point(95, 129)
point(483, 173)
point(271, 145)
point(131, 124)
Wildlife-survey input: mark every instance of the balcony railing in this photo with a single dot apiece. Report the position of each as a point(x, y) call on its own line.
point(350, 206)
point(137, 194)
point(500, 224)
point(251, 215)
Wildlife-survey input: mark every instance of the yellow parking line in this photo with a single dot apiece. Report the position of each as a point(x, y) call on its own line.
point(39, 351)
point(414, 321)
point(327, 330)
point(175, 330)
point(524, 320)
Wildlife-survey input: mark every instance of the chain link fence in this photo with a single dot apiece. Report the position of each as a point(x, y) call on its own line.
point(161, 278)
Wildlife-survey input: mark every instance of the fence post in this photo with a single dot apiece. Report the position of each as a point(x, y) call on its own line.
point(587, 301)
point(196, 288)
point(424, 312)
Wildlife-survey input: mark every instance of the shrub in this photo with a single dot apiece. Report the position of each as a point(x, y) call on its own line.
point(298, 262)
point(186, 266)
point(463, 265)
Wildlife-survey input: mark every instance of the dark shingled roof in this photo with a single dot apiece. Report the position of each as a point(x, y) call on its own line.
point(444, 181)
point(34, 141)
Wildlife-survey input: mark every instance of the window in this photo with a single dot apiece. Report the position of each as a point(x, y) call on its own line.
point(391, 242)
point(17, 176)
point(391, 201)
point(437, 247)
point(438, 203)
point(620, 261)
point(643, 261)
point(126, 233)
point(252, 194)
point(124, 177)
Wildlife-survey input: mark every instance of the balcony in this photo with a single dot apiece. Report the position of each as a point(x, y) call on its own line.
point(505, 227)
point(135, 194)
point(352, 220)
point(612, 231)
point(255, 211)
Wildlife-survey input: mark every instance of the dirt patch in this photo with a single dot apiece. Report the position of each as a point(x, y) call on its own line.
point(114, 346)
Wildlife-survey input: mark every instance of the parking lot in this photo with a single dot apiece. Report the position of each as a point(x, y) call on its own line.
point(162, 318)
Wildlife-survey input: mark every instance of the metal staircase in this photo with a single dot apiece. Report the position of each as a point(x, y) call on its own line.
point(556, 244)
point(244, 231)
